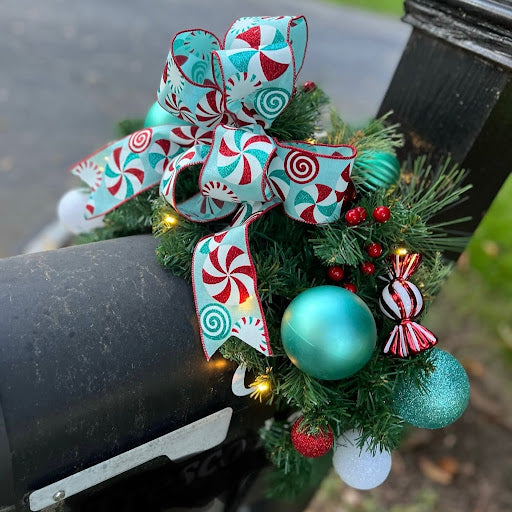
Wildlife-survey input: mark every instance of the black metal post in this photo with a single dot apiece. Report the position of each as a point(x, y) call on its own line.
point(452, 91)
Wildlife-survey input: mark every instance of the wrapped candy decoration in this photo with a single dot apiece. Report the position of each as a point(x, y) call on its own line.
point(402, 301)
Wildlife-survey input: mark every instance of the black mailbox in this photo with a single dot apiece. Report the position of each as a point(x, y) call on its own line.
point(104, 386)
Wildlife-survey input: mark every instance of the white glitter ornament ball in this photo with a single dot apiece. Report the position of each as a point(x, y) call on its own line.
point(71, 211)
point(359, 468)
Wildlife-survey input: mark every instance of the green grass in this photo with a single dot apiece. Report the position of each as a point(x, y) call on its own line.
point(394, 7)
point(490, 250)
point(483, 285)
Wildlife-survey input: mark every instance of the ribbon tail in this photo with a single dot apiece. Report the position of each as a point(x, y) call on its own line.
point(225, 291)
point(122, 170)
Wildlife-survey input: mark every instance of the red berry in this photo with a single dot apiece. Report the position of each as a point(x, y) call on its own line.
point(362, 212)
point(335, 273)
point(374, 250)
point(368, 268)
point(311, 445)
point(350, 287)
point(353, 217)
point(381, 214)
point(309, 86)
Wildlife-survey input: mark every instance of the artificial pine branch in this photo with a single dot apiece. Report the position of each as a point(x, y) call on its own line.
point(292, 470)
point(377, 135)
point(127, 126)
point(299, 120)
point(132, 218)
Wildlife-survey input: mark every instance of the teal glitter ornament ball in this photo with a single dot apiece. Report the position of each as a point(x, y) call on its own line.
point(328, 332)
point(377, 170)
point(157, 116)
point(445, 399)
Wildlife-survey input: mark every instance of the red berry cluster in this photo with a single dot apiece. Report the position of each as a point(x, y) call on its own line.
point(374, 250)
point(351, 287)
point(368, 268)
point(353, 217)
point(356, 215)
point(336, 274)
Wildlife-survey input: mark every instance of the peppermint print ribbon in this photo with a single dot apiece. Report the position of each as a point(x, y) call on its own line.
point(223, 96)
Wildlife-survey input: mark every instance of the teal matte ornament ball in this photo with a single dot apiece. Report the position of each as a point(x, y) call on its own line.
point(378, 170)
point(444, 398)
point(328, 332)
point(157, 116)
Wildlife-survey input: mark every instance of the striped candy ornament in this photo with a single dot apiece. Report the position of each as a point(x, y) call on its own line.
point(402, 301)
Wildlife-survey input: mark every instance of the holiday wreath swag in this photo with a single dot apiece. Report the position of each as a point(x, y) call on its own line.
point(311, 251)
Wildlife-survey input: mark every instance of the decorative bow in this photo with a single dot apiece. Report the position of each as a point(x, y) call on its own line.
point(223, 97)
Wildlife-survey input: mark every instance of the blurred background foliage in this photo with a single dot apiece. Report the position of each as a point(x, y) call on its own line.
point(392, 7)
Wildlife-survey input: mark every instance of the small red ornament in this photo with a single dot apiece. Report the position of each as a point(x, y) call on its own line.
point(353, 217)
point(311, 445)
point(309, 86)
point(381, 214)
point(368, 268)
point(362, 212)
point(335, 273)
point(350, 287)
point(374, 250)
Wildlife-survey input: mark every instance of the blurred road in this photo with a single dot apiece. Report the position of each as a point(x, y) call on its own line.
point(69, 70)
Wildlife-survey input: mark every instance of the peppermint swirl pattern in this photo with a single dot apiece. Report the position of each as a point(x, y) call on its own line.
point(270, 103)
point(301, 167)
point(124, 173)
point(199, 71)
point(224, 96)
point(228, 275)
point(89, 172)
point(140, 141)
point(215, 321)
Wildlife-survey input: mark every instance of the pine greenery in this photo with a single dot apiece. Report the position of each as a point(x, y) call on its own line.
point(291, 257)
point(131, 218)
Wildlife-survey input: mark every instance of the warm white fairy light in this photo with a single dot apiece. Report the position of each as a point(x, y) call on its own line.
point(170, 220)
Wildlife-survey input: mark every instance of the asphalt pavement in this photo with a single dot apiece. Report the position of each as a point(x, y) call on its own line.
point(69, 70)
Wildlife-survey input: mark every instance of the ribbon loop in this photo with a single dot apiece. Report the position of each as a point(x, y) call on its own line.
point(257, 83)
point(311, 179)
point(237, 165)
point(269, 30)
point(200, 207)
point(187, 79)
